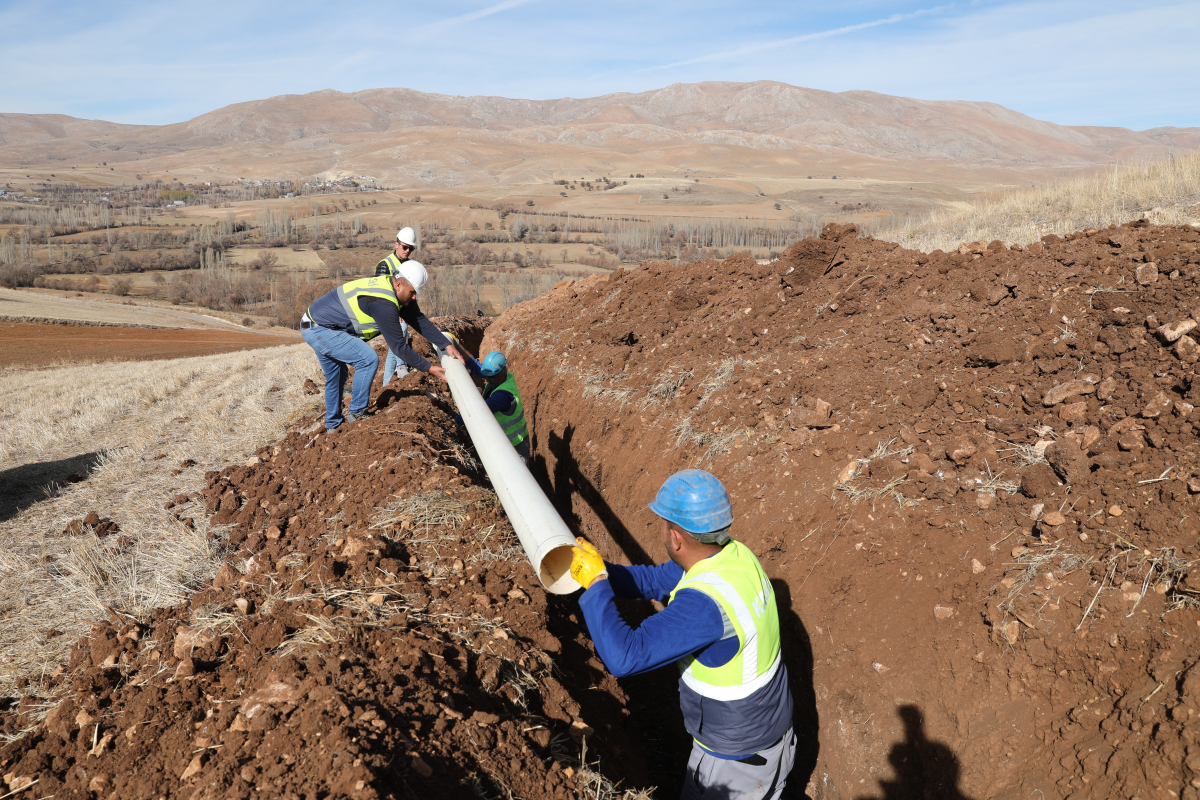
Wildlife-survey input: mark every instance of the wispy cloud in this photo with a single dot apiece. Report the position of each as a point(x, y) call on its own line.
point(441, 26)
point(759, 47)
point(158, 61)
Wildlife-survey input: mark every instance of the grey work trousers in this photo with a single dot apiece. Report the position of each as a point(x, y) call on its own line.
point(712, 778)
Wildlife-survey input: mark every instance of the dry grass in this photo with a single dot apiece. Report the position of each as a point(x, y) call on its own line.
point(497, 542)
point(719, 379)
point(141, 419)
point(1165, 192)
point(1126, 564)
point(1054, 558)
point(17, 303)
point(664, 389)
point(598, 384)
point(996, 483)
point(588, 778)
point(858, 492)
point(716, 443)
point(888, 450)
point(429, 509)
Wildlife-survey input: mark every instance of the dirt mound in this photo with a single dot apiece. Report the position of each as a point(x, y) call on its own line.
point(971, 476)
point(375, 633)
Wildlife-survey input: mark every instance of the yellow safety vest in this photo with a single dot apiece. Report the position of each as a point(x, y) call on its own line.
point(735, 580)
point(392, 262)
point(348, 294)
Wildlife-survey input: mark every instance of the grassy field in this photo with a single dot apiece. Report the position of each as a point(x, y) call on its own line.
point(286, 257)
point(121, 433)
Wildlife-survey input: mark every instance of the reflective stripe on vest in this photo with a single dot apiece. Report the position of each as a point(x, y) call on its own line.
point(379, 286)
point(393, 264)
point(735, 581)
point(512, 424)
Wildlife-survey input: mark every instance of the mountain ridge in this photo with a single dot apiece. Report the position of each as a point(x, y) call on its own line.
point(769, 117)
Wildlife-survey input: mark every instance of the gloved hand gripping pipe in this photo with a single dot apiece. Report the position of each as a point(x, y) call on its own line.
point(543, 534)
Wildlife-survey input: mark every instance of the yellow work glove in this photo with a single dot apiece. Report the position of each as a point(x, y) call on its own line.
point(586, 564)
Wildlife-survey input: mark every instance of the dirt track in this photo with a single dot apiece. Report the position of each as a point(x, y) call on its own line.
point(32, 345)
point(947, 637)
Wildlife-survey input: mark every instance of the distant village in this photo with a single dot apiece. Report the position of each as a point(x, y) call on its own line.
point(162, 193)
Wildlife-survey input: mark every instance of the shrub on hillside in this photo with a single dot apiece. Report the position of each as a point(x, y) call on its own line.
point(23, 274)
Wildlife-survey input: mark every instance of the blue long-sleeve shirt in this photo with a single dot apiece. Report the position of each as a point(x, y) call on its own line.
point(692, 624)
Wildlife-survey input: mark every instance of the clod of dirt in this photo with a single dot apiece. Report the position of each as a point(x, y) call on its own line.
point(1069, 463)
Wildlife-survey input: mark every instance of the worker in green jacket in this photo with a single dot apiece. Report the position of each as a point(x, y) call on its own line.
point(503, 400)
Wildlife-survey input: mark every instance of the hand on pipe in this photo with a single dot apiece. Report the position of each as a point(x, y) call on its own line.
point(452, 351)
point(438, 372)
point(587, 566)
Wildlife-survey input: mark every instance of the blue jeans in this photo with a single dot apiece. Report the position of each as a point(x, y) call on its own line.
point(338, 351)
point(392, 365)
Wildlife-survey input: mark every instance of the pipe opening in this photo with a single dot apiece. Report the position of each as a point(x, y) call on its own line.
point(555, 571)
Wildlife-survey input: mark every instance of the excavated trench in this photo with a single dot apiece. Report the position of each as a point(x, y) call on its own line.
point(970, 477)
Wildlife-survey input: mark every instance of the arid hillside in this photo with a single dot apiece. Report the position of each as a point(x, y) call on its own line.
point(18, 129)
point(409, 138)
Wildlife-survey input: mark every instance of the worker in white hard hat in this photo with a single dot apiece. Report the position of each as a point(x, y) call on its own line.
point(406, 243)
point(339, 324)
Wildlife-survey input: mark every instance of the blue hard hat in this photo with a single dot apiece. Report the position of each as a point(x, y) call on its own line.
point(695, 501)
point(493, 364)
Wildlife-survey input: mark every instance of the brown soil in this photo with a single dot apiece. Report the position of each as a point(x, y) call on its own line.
point(374, 653)
point(32, 345)
point(943, 641)
point(932, 620)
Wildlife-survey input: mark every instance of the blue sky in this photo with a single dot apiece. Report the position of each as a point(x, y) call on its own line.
point(1067, 61)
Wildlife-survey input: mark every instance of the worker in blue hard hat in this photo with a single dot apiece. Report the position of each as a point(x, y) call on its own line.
point(503, 400)
point(721, 628)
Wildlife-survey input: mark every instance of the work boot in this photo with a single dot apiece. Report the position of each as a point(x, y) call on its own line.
point(356, 417)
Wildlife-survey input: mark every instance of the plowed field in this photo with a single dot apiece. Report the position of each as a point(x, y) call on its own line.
point(22, 344)
point(970, 476)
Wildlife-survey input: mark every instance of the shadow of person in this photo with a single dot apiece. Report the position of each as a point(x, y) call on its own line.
point(568, 480)
point(798, 656)
point(21, 487)
point(924, 770)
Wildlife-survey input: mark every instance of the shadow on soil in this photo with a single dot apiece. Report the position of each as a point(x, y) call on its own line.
point(23, 486)
point(798, 656)
point(569, 480)
point(924, 769)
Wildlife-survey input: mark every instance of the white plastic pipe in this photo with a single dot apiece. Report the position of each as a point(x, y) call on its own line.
point(543, 534)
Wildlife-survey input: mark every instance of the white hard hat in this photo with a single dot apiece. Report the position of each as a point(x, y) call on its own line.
point(407, 236)
point(414, 272)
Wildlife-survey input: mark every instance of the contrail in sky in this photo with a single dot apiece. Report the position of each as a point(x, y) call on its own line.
point(450, 22)
point(807, 37)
